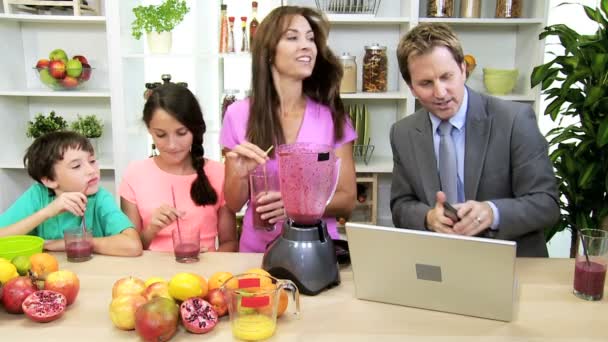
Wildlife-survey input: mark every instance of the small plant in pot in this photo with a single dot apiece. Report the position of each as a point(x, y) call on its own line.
point(42, 125)
point(91, 127)
point(158, 22)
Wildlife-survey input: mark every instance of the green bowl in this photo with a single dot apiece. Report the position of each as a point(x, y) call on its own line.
point(498, 81)
point(12, 246)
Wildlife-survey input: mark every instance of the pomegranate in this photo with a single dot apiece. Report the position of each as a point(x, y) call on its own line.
point(44, 306)
point(15, 292)
point(157, 319)
point(217, 300)
point(64, 282)
point(198, 315)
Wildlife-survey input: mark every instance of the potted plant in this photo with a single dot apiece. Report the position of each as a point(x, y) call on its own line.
point(91, 127)
point(45, 124)
point(158, 22)
point(575, 83)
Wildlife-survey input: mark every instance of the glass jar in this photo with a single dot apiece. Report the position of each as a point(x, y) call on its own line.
point(470, 8)
point(349, 77)
point(229, 97)
point(440, 8)
point(375, 69)
point(508, 8)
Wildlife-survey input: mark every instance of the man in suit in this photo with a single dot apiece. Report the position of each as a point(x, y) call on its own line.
point(484, 155)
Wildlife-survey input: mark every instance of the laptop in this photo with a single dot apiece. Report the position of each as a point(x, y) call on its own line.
point(464, 275)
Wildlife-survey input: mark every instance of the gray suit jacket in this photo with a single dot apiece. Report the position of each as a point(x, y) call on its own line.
point(506, 162)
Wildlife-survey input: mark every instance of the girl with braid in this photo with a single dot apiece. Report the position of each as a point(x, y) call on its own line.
point(175, 121)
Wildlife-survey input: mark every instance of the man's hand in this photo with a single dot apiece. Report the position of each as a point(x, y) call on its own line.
point(475, 217)
point(436, 219)
point(74, 202)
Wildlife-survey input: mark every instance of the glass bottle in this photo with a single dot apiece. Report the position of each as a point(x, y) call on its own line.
point(470, 8)
point(253, 25)
point(508, 8)
point(375, 69)
point(231, 47)
point(224, 29)
point(349, 73)
point(245, 40)
point(440, 8)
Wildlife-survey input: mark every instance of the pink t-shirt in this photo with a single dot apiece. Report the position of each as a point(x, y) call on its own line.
point(149, 187)
point(317, 127)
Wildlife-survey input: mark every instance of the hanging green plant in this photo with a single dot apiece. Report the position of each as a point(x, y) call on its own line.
point(161, 18)
point(45, 124)
point(89, 126)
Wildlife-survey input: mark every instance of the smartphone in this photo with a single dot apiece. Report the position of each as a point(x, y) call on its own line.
point(450, 212)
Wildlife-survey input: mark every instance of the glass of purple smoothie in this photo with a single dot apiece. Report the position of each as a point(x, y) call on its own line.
point(78, 244)
point(590, 275)
point(186, 244)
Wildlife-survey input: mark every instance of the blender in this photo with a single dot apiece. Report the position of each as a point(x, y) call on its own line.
point(304, 252)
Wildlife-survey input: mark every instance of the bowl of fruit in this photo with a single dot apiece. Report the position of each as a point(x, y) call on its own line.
point(60, 73)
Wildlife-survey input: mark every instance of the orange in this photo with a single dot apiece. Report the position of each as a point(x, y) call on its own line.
point(43, 264)
point(218, 279)
point(264, 281)
point(186, 285)
point(281, 306)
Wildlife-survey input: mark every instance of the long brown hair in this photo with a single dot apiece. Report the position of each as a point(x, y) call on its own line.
point(264, 127)
point(181, 104)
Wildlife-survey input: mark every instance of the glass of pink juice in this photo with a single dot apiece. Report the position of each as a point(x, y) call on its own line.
point(590, 275)
point(262, 180)
point(78, 244)
point(187, 245)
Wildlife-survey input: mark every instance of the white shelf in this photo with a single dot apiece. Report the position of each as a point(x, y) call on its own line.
point(366, 19)
point(389, 95)
point(379, 164)
point(516, 97)
point(157, 55)
point(60, 19)
point(51, 93)
point(485, 21)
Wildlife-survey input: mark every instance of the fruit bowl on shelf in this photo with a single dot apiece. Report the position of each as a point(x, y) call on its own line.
point(64, 79)
point(500, 81)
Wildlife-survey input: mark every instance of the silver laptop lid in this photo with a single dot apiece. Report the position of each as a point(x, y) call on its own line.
point(452, 273)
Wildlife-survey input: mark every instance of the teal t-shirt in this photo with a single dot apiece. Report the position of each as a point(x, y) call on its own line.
point(102, 214)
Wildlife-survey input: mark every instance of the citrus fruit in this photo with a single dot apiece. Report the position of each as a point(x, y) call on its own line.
point(185, 285)
point(43, 264)
point(8, 271)
point(218, 279)
point(264, 281)
point(153, 280)
point(22, 263)
point(204, 285)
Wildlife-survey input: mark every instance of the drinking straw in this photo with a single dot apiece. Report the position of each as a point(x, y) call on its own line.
point(179, 230)
point(264, 169)
point(584, 243)
point(83, 223)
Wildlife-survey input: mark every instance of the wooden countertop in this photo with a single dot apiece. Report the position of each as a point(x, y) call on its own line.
point(546, 311)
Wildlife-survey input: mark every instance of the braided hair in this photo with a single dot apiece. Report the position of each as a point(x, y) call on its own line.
point(181, 104)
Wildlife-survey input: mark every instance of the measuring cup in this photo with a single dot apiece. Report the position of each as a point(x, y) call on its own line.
point(253, 301)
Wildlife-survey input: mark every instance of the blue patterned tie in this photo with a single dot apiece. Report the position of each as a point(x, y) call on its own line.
point(448, 172)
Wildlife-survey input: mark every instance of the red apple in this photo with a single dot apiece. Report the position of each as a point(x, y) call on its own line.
point(64, 282)
point(69, 82)
point(158, 289)
point(217, 300)
point(57, 69)
point(42, 63)
point(128, 286)
point(86, 72)
point(82, 59)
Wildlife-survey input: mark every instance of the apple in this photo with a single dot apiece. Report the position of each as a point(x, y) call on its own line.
point(82, 59)
point(57, 69)
point(42, 63)
point(64, 282)
point(58, 55)
point(217, 300)
point(122, 310)
point(86, 72)
point(74, 68)
point(158, 289)
point(46, 78)
point(128, 286)
point(69, 82)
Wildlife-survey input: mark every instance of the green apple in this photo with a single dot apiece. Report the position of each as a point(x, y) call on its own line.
point(47, 79)
point(58, 55)
point(74, 68)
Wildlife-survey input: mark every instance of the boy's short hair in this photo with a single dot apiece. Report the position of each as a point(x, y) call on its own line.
point(42, 155)
point(423, 39)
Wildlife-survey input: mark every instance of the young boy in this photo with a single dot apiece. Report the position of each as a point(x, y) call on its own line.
point(67, 175)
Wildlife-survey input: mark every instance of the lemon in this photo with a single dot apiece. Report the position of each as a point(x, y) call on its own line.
point(153, 280)
point(185, 285)
point(8, 271)
point(22, 263)
point(3, 260)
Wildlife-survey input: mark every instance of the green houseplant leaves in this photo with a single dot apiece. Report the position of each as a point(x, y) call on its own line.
point(161, 18)
point(45, 124)
point(89, 126)
point(576, 86)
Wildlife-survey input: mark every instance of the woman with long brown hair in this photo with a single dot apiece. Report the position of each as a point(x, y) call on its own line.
point(294, 98)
